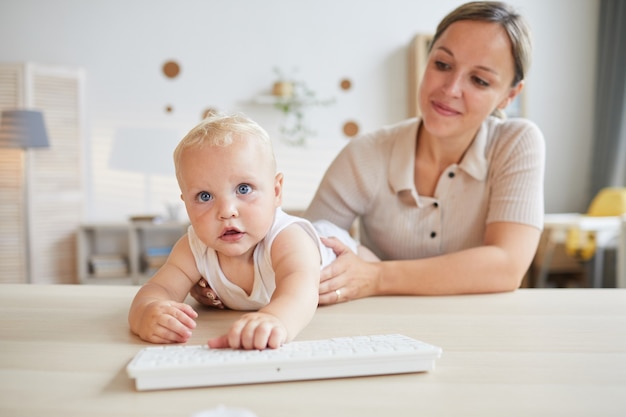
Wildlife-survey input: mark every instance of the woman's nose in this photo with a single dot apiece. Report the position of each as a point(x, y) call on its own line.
point(453, 86)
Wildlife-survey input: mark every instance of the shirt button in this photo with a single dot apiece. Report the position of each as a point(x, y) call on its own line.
point(433, 234)
point(436, 204)
point(451, 174)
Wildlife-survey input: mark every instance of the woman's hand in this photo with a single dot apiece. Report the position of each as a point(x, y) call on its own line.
point(204, 294)
point(348, 277)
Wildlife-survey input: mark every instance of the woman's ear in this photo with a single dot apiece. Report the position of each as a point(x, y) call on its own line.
point(513, 92)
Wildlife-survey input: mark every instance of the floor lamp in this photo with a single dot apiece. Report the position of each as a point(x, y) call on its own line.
point(24, 129)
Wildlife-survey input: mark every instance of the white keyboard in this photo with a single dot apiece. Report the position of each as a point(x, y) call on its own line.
point(181, 366)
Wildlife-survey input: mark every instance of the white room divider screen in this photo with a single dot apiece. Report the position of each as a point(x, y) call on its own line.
point(53, 207)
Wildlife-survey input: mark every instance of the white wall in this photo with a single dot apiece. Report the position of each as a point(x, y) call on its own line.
point(228, 49)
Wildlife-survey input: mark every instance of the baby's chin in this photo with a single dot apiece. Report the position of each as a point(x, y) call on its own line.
point(235, 249)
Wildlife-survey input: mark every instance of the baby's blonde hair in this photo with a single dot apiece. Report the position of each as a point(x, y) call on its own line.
point(219, 129)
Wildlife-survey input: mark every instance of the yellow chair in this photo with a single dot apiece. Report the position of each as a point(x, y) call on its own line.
point(608, 202)
point(584, 244)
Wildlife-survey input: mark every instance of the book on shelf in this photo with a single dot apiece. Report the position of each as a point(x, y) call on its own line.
point(108, 266)
point(154, 258)
point(158, 251)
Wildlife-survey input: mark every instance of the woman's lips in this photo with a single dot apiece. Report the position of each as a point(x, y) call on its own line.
point(444, 110)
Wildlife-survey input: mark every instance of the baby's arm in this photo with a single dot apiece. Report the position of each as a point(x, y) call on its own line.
point(157, 313)
point(296, 263)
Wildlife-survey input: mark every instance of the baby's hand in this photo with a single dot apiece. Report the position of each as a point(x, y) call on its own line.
point(253, 331)
point(167, 322)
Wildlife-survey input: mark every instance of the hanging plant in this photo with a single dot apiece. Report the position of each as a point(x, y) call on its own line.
point(292, 99)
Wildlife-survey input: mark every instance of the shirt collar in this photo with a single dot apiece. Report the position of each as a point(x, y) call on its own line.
point(474, 161)
point(402, 163)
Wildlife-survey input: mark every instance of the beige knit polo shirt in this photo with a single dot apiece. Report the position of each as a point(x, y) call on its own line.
point(499, 179)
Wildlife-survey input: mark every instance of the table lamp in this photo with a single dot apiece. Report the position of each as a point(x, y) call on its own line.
point(23, 129)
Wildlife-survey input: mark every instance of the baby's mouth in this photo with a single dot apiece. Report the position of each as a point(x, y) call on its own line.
point(231, 233)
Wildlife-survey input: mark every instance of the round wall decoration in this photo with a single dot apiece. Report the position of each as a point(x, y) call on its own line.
point(345, 84)
point(350, 129)
point(171, 69)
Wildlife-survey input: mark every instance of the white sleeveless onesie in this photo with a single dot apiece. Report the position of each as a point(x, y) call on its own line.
point(233, 296)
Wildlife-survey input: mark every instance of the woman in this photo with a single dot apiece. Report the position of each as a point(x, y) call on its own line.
point(452, 202)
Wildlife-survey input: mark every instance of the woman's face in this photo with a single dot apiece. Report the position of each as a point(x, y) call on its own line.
point(468, 75)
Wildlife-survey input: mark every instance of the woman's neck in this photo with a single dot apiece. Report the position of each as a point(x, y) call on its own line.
point(433, 156)
point(441, 151)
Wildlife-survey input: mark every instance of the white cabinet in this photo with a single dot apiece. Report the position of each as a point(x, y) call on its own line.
point(124, 253)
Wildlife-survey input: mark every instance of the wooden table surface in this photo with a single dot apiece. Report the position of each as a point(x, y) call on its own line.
point(533, 352)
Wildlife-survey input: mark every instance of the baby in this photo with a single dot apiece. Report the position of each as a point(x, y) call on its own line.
point(254, 256)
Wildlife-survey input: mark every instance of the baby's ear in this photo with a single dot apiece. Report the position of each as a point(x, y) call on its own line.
point(278, 188)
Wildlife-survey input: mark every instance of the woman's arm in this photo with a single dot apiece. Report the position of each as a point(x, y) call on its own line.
point(498, 265)
point(351, 182)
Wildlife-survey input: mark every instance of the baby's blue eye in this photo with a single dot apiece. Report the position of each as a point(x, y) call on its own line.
point(204, 196)
point(244, 189)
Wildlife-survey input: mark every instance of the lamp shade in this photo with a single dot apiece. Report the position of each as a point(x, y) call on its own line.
point(23, 129)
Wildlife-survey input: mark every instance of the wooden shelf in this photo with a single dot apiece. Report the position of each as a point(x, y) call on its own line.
point(273, 100)
point(119, 253)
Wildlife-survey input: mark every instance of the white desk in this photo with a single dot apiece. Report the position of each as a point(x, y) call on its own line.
point(608, 234)
point(533, 352)
point(621, 256)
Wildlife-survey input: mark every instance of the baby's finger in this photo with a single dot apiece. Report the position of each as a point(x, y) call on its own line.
point(178, 323)
point(234, 334)
point(162, 334)
point(185, 314)
point(220, 342)
point(187, 309)
point(257, 336)
point(277, 337)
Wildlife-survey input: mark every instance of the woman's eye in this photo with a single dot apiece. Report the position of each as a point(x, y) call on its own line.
point(244, 189)
point(204, 196)
point(442, 66)
point(481, 82)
